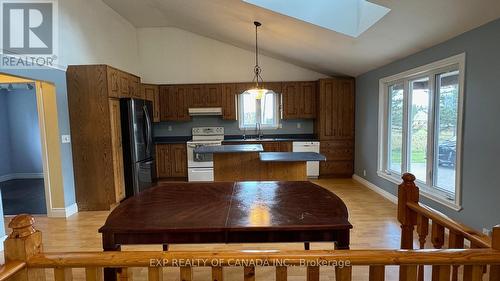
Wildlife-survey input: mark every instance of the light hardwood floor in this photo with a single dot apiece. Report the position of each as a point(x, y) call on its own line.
point(373, 218)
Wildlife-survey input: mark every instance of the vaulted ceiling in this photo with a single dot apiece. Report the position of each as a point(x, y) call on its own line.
point(410, 26)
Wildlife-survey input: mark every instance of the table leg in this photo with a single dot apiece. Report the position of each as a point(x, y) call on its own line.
point(165, 247)
point(306, 245)
point(342, 242)
point(108, 244)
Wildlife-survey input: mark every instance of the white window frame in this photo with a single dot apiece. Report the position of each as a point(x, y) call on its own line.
point(430, 70)
point(277, 114)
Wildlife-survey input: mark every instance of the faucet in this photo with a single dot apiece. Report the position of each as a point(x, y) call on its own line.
point(258, 129)
point(244, 133)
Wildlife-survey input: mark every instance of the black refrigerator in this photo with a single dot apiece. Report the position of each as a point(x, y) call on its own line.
point(138, 147)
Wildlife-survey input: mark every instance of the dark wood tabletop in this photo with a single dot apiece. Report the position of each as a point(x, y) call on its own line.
point(224, 212)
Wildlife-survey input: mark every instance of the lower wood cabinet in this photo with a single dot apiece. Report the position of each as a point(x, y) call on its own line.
point(171, 161)
point(340, 158)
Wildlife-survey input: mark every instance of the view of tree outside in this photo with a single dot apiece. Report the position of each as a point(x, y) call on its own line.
point(396, 127)
point(447, 121)
point(419, 127)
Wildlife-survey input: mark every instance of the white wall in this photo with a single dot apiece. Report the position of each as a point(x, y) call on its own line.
point(171, 55)
point(90, 32)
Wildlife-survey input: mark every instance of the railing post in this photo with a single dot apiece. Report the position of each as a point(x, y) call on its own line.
point(495, 244)
point(407, 192)
point(24, 242)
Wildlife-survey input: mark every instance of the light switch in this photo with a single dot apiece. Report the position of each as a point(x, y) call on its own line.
point(169, 128)
point(66, 139)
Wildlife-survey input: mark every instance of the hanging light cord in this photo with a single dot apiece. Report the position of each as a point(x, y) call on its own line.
point(257, 69)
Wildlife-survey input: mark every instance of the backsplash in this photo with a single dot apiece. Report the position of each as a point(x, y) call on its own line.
point(230, 127)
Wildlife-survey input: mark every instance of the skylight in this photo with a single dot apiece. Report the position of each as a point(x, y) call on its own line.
point(350, 17)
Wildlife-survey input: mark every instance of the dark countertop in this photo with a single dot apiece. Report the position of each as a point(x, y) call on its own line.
point(177, 139)
point(239, 138)
point(291, 156)
point(282, 137)
point(238, 148)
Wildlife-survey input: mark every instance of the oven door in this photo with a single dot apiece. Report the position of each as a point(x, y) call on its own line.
point(196, 160)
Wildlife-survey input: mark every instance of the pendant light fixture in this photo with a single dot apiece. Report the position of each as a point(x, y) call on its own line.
point(258, 90)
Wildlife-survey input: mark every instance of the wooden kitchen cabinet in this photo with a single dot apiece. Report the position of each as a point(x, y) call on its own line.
point(335, 126)
point(335, 118)
point(173, 102)
point(117, 149)
point(229, 107)
point(205, 95)
point(94, 114)
point(134, 84)
point(171, 161)
point(151, 93)
point(113, 76)
point(299, 100)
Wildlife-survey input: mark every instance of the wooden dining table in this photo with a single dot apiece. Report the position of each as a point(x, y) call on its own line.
point(228, 212)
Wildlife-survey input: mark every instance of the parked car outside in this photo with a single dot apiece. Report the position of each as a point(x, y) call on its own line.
point(448, 153)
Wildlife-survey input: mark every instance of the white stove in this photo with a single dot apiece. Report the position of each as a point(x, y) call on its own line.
point(201, 166)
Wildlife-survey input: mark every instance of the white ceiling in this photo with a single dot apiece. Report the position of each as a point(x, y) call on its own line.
point(411, 26)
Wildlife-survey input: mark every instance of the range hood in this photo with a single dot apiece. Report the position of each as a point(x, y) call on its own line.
point(205, 111)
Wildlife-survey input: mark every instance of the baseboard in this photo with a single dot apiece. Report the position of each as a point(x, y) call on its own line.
point(63, 212)
point(387, 195)
point(17, 176)
point(2, 239)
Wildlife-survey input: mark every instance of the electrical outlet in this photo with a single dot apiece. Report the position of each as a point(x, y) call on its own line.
point(364, 173)
point(169, 128)
point(487, 231)
point(66, 139)
point(299, 125)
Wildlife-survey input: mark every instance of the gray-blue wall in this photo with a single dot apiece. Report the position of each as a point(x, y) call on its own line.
point(481, 145)
point(4, 138)
point(230, 127)
point(58, 78)
point(23, 132)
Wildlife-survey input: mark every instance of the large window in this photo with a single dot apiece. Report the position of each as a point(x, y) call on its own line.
point(420, 128)
point(254, 111)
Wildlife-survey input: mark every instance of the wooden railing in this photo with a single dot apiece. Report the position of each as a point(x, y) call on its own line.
point(412, 213)
point(25, 259)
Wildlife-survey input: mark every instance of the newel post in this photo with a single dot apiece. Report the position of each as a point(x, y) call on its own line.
point(495, 244)
point(24, 242)
point(407, 192)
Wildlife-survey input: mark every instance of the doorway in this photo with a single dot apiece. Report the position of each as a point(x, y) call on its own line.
point(37, 188)
point(21, 166)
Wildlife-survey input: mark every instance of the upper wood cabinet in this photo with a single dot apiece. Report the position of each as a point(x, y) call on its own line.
point(299, 100)
point(229, 101)
point(205, 95)
point(122, 84)
point(113, 76)
point(273, 86)
point(134, 84)
point(152, 93)
point(335, 118)
point(174, 103)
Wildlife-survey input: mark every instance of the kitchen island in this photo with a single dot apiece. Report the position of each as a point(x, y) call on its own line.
point(249, 162)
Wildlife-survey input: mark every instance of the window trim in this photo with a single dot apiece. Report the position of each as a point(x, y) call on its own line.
point(430, 70)
point(277, 113)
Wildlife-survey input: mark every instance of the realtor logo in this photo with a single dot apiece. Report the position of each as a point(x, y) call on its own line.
point(28, 33)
